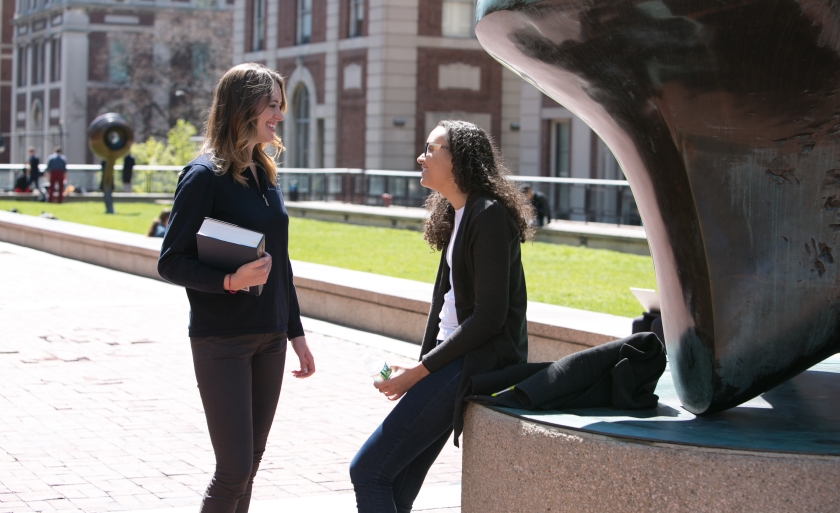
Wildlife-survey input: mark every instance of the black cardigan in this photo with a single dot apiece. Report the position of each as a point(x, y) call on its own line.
point(200, 193)
point(490, 298)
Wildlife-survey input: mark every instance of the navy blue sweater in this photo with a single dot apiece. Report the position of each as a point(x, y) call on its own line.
point(214, 311)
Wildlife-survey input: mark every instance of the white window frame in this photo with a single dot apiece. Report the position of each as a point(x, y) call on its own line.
point(458, 18)
point(258, 26)
point(55, 59)
point(117, 64)
point(304, 22)
point(23, 57)
point(357, 18)
point(302, 123)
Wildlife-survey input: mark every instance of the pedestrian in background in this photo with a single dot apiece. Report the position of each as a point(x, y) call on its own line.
point(238, 340)
point(540, 203)
point(127, 170)
point(476, 324)
point(34, 164)
point(57, 168)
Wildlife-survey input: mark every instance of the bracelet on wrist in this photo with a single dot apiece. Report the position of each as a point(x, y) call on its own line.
point(230, 279)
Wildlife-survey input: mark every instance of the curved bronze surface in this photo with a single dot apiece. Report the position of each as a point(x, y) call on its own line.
point(110, 136)
point(725, 118)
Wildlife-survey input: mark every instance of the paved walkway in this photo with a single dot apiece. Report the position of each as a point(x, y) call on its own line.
point(100, 411)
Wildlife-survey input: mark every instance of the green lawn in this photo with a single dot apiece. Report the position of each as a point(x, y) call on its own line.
point(590, 279)
point(129, 217)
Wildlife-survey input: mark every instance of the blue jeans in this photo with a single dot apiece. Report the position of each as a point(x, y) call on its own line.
point(389, 469)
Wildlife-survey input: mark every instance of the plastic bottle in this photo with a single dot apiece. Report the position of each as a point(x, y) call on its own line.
point(377, 368)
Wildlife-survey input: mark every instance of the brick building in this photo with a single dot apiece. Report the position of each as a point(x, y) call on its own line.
point(152, 61)
point(7, 12)
point(368, 79)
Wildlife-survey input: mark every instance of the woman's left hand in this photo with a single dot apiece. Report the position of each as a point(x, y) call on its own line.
point(307, 361)
point(401, 380)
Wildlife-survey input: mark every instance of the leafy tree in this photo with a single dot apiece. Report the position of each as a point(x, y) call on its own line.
point(177, 150)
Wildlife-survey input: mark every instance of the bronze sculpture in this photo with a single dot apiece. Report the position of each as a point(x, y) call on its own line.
point(725, 118)
point(109, 137)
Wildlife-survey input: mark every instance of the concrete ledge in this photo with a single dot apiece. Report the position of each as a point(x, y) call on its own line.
point(513, 465)
point(392, 217)
point(626, 239)
point(379, 304)
point(122, 251)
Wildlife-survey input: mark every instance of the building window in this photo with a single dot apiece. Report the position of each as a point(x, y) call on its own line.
point(200, 60)
point(458, 17)
point(357, 17)
point(37, 115)
point(258, 25)
point(38, 54)
point(55, 59)
point(560, 196)
point(301, 106)
point(22, 54)
point(607, 167)
point(304, 21)
point(117, 61)
point(561, 150)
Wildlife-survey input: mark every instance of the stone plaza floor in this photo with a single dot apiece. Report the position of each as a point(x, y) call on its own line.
point(99, 409)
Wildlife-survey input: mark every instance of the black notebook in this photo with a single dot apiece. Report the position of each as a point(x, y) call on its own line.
point(226, 247)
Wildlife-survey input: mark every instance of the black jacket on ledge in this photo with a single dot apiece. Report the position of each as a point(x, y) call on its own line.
point(490, 298)
point(622, 374)
point(200, 193)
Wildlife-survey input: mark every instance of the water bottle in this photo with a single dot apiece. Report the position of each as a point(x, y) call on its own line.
point(376, 367)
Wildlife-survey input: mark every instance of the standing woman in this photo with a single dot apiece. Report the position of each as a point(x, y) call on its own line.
point(238, 340)
point(476, 323)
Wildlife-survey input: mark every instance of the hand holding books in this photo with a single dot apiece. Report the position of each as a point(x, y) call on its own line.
point(229, 248)
point(249, 275)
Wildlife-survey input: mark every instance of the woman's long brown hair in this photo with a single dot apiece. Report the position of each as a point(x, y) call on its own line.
point(240, 97)
point(478, 169)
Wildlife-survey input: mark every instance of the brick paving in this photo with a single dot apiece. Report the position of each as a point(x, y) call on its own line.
point(99, 410)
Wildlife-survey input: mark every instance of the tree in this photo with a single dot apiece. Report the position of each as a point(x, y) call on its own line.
point(156, 77)
point(178, 149)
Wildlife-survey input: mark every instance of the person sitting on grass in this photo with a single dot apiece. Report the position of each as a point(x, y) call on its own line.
point(158, 227)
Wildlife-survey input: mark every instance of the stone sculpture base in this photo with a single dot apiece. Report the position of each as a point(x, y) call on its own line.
point(779, 452)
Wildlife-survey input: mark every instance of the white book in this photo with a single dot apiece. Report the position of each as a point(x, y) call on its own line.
point(648, 298)
point(227, 247)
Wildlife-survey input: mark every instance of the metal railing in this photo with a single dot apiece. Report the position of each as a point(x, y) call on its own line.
point(579, 199)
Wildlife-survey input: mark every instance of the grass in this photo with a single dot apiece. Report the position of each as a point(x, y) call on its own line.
point(128, 217)
point(589, 279)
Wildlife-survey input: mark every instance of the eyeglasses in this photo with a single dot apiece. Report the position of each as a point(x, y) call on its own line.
point(428, 144)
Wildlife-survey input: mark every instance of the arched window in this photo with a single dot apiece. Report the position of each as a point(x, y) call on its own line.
point(302, 121)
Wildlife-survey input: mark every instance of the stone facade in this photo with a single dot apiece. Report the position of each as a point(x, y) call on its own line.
point(7, 12)
point(379, 74)
point(77, 59)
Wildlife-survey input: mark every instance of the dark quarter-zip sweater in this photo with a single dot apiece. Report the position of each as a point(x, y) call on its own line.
point(200, 193)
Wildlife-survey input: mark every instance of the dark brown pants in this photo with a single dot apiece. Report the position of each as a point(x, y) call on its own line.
point(239, 379)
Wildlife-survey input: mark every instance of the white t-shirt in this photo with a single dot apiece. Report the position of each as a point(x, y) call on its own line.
point(448, 316)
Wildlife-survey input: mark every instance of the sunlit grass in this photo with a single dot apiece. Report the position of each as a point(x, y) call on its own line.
point(128, 217)
point(589, 279)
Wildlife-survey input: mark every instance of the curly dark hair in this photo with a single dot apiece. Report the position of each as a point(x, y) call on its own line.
point(478, 169)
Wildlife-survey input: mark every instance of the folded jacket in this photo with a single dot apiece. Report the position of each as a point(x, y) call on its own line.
point(622, 374)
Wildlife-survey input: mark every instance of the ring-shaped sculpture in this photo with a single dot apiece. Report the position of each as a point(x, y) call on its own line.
point(110, 137)
point(725, 117)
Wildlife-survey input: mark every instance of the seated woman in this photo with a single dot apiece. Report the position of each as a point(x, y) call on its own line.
point(477, 320)
point(158, 228)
